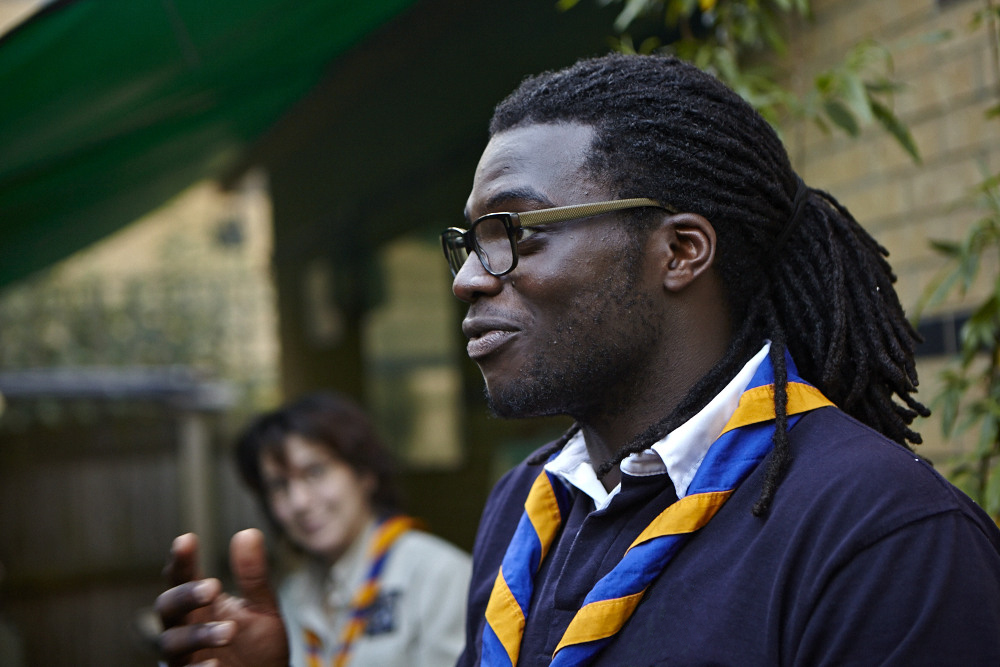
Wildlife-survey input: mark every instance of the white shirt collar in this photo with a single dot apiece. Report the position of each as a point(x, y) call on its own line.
point(679, 454)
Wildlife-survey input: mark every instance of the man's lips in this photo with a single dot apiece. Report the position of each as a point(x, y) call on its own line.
point(486, 336)
point(488, 343)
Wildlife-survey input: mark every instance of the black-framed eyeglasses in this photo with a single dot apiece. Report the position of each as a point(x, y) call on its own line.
point(494, 236)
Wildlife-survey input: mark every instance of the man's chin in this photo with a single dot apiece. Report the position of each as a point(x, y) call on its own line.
point(517, 405)
point(498, 407)
point(501, 411)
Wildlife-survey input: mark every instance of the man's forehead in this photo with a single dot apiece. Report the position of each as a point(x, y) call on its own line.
point(532, 165)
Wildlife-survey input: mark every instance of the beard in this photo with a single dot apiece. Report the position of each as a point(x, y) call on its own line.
point(596, 360)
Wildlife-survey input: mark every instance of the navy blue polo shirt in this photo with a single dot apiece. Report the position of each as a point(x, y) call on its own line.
point(867, 556)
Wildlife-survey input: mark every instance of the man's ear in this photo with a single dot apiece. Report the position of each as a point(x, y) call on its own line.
point(684, 248)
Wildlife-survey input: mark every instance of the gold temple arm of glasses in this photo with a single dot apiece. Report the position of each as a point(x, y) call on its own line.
point(562, 213)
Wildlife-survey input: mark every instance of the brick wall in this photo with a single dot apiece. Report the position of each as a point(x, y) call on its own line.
point(949, 86)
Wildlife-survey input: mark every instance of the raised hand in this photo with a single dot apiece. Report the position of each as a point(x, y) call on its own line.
point(205, 626)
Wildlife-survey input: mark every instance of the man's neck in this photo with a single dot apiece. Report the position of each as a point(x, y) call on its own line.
point(654, 397)
point(601, 451)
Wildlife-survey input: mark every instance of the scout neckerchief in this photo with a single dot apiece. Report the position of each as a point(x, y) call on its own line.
point(385, 535)
point(742, 445)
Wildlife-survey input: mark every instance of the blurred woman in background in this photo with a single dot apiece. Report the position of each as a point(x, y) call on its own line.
point(371, 590)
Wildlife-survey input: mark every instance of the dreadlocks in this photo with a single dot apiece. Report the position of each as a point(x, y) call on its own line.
point(797, 268)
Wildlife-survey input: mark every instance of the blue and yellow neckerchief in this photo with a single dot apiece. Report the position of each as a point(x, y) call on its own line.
point(742, 445)
point(385, 536)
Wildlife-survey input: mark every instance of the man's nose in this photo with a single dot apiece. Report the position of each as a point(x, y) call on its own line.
point(473, 281)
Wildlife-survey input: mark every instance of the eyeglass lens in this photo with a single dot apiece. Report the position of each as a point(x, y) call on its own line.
point(454, 249)
point(493, 243)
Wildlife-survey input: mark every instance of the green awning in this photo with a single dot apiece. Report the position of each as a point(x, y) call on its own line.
point(110, 107)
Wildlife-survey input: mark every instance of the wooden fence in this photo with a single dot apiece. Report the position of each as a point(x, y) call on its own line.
point(99, 470)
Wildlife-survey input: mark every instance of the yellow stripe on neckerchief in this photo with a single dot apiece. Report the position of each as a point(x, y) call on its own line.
point(742, 445)
point(314, 649)
point(385, 536)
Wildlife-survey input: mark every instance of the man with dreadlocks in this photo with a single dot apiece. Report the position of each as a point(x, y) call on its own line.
point(738, 487)
point(700, 317)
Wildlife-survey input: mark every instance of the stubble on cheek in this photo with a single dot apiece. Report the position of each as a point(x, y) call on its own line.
point(589, 360)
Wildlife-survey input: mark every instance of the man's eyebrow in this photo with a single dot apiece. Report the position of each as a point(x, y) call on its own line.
point(520, 195)
point(501, 200)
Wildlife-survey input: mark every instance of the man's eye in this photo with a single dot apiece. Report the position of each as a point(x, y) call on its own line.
point(524, 233)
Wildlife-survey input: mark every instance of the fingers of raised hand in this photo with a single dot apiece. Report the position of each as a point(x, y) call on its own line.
point(248, 559)
point(182, 641)
point(174, 604)
point(183, 563)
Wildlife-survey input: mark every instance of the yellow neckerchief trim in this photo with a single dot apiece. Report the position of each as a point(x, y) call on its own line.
point(600, 615)
point(543, 511)
point(505, 617)
point(503, 613)
point(684, 516)
point(757, 404)
point(313, 648)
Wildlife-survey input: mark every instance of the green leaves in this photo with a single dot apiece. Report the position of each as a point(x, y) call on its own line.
point(736, 39)
point(858, 92)
point(900, 132)
point(632, 9)
point(841, 116)
point(970, 394)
